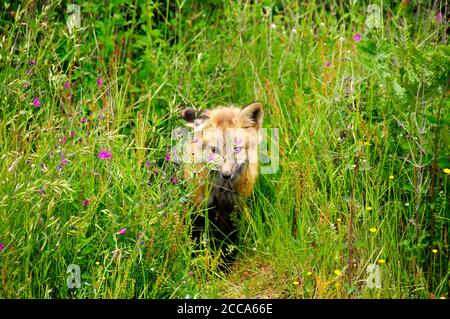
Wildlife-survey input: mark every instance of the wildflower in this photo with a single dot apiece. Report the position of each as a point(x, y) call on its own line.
point(339, 220)
point(294, 30)
point(86, 202)
point(391, 177)
point(373, 230)
point(72, 134)
point(366, 143)
point(42, 165)
point(337, 272)
point(438, 17)
point(62, 140)
point(66, 85)
point(239, 141)
point(59, 168)
point(99, 82)
point(123, 231)
point(2, 246)
point(434, 251)
point(64, 161)
point(147, 164)
point(36, 102)
point(273, 26)
point(369, 208)
point(167, 156)
point(83, 120)
point(381, 261)
point(296, 283)
point(103, 154)
point(41, 191)
point(211, 158)
point(174, 180)
point(328, 64)
point(357, 37)
point(33, 62)
point(97, 263)
point(309, 273)
point(447, 171)
point(155, 171)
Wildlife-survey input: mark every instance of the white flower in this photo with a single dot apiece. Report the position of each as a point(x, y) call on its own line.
point(273, 26)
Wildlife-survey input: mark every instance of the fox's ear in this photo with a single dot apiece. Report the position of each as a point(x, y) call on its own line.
point(194, 117)
point(251, 115)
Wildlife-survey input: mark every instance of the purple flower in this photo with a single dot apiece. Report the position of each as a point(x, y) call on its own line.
point(66, 85)
point(83, 120)
point(147, 164)
point(438, 17)
point(86, 202)
point(33, 62)
point(72, 134)
point(2, 246)
point(210, 158)
point(328, 64)
point(42, 165)
point(62, 140)
point(28, 161)
point(357, 37)
point(174, 180)
point(123, 231)
point(59, 168)
point(103, 154)
point(64, 161)
point(99, 82)
point(36, 102)
point(155, 171)
point(41, 191)
point(168, 156)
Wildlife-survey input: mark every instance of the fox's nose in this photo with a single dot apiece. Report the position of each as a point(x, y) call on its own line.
point(226, 175)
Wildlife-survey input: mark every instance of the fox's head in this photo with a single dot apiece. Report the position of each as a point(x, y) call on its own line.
point(226, 141)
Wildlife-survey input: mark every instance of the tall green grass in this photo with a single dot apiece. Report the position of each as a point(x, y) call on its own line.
point(364, 144)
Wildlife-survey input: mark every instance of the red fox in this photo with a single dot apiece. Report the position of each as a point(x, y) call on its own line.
point(223, 159)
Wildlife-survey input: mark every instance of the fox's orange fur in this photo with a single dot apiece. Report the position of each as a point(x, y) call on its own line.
point(218, 130)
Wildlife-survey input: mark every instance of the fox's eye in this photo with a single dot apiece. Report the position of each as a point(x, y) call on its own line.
point(237, 149)
point(213, 149)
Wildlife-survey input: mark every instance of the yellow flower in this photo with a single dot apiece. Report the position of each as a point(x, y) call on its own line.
point(391, 177)
point(369, 208)
point(434, 251)
point(366, 143)
point(447, 171)
point(97, 263)
point(443, 297)
point(373, 230)
point(381, 261)
point(309, 273)
point(337, 272)
point(103, 278)
point(296, 283)
point(339, 220)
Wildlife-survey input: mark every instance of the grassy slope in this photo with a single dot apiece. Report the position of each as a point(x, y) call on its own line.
point(295, 229)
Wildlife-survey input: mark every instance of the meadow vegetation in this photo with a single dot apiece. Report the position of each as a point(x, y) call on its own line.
point(360, 103)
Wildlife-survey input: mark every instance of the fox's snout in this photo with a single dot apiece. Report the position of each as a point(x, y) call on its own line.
point(228, 169)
